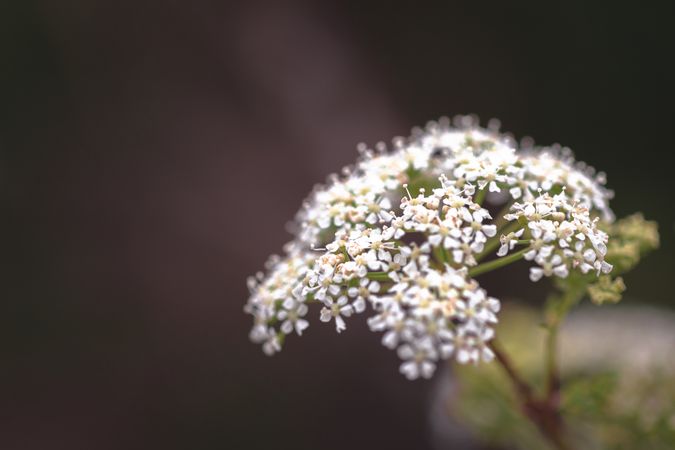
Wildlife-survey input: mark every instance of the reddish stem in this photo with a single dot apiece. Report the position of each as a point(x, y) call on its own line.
point(544, 413)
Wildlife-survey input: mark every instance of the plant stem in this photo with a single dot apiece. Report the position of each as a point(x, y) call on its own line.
point(552, 370)
point(543, 413)
point(557, 310)
point(523, 389)
point(480, 195)
point(497, 263)
point(440, 254)
point(379, 276)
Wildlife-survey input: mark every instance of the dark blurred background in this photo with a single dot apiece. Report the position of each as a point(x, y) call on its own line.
point(152, 153)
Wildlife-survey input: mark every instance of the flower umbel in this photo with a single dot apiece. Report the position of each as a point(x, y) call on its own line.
point(403, 234)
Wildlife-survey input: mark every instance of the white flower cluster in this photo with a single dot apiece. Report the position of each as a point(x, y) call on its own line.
point(403, 232)
point(563, 236)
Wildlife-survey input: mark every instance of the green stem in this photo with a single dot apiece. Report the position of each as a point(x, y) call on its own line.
point(552, 369)
point(497, 263)
point(557, 309)
point(523, 389)
point(480, 195)
point(378, 276)
point(441, 255)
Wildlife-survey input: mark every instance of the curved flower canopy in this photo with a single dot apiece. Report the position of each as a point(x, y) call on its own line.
point(403, 234)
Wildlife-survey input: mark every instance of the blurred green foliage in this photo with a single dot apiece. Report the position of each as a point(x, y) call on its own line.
point(603, 409)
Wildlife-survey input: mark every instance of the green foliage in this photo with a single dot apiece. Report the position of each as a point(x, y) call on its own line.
point(624, 411)
point(589, 396)
point(606, 290)
point(629, 240)
point(486, 401)
point(604, 408)
point(487, 405)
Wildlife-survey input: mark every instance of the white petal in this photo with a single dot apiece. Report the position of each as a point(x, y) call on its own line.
point(435, 239)
point(288, 303)
point(427, 368)
point(325, 315)
point(287, 327)
point(410, 370)
point(447, 350)
point(536, 273)
point(606, 267)
point(560, 271)
point(390, 339)
point(487, 354)
point(463, 356)
point(490, 230)
point(340, 324)
point(589, 255)
point(347, 310)
point(515, 192)
point(405, 352)
point(503, 249)
point(300, 326)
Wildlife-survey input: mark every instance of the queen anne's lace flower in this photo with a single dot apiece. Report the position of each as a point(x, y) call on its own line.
point(405, 232)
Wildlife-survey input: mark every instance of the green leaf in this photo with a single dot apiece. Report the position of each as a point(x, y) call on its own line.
point(589, 396)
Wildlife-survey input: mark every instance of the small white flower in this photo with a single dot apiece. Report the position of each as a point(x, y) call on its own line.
point(509, 241)
point(445, 234)
point(399, 330)
point(362, 293)
point(552, 266)
point(419, 359)
point(336, 310)
point(390, 316)
point(471, 345)
point(272, 345)
point(478, 310)
point(291, 315)
point(379, 211)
